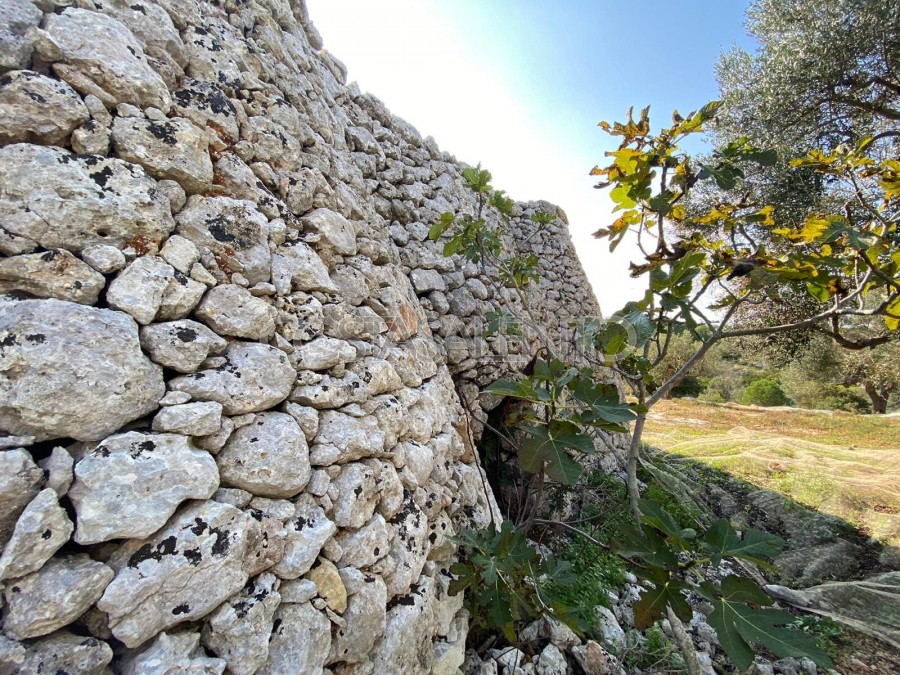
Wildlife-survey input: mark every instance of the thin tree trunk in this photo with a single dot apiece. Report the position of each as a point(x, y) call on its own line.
point(634, 453)
point(684, 642)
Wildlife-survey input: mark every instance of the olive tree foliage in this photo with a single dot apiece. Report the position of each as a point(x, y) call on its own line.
point(846, 260)
point(825, 366)
point(826, 77)
point(826, 72)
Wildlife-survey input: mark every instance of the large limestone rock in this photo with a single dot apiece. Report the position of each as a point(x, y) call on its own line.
point(268, 457)
point(231, 310)
point(40, 531)
point(295, 266)
point(342, 438)
point(307, 533)
point(37, 109)
point(234, 231)
point(65, 652)
point(365, 546)
point(51, 274)
point(174, 149)
point(239, 630)
point(406, 646)
point(324, 353)
point(53, 199)
point(180, 574)
point(71, 371)
point(16, 17)
point(364, 617)
point(181, 345)
point(113, 69)
point(130, 484)
point(335, 231)
point(53, 597)
point(140, 287)
point(20, 482)
point(191, 419)
point(301, 641)
point(252, 377)
point(171, 654)
point(404, 562)
point(355, 494)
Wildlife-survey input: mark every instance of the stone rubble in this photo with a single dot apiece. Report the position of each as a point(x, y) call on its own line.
point(234, 371)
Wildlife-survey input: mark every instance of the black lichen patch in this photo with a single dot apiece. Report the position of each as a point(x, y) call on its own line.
point(164, 131)
point(183, 608)
point(218, 228)
point(149, 552)
point(141, 448)
point(34, 96)
point(36, 338)
point(186, 334)
point(242, 608)
point(46, 534)
point(193, 556)
point(102, 177)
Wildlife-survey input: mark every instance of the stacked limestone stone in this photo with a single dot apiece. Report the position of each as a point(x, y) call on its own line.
point(229, 357)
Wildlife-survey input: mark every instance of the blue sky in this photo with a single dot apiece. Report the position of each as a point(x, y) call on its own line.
point(519, 85)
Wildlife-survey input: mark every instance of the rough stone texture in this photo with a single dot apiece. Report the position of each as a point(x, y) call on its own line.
point(40, 531)
point(252, 377)
point(307, 533)
point(268, 226)
point(72, 371)
point(181, 345)
point(234, 231)
point(335, 231)
point(59, 468)
point(52, 274)
point(36, 109)
point(301, 641)
point(20, 482)
point(173, 149)
point(329, 585)
point(182, 573)
point(238, 631)
point(324, 353)
point(129, 484)
point(297, 267)
point(16, 17)
point(180, 653)
point(54, 596)
point(139, 288)
point(64, 652)
point(232, 310)
point(103, 258)
point(268, 457)
point(191, 419)
point(53, 199)
point(114, 69)
point(364, 617)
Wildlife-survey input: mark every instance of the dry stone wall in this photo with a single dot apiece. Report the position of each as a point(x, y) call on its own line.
point(234, 373)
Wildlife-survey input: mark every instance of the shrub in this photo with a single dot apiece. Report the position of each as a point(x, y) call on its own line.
point(689, 386)
point(765, 392)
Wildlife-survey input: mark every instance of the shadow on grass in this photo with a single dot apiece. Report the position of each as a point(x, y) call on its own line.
point(819, 547)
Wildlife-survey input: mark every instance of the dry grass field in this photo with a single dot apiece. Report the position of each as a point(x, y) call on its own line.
point(842, 464)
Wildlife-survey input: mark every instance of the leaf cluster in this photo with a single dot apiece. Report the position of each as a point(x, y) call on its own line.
point(567, 403)
point(669, 557)
point(508, 581)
